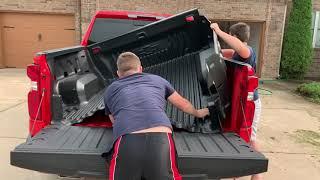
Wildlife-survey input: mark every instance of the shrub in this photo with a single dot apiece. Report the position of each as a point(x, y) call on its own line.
point(297, 45)
point(310, 90)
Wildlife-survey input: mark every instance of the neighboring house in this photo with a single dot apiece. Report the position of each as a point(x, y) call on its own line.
point(28, 26)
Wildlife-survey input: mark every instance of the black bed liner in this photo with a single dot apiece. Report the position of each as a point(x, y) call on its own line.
point(78, 115)
point(172, 48)
point(183, 76)
point(76, 151)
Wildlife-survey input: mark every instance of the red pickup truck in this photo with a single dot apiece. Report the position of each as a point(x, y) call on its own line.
point(69, 130)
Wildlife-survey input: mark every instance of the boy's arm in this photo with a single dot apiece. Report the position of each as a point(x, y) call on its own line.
point(227, 53)
point(111, 118)
point(106, 109)
point(184, 105)
point(181, 103)
point(232, 41)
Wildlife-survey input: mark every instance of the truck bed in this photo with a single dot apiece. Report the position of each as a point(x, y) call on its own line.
point(183, 76)
point(76, 151)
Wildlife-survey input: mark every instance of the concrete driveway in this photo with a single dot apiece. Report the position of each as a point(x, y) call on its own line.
point(289, 130)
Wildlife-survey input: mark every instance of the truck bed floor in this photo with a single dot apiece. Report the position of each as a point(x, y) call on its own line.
point(77, 115)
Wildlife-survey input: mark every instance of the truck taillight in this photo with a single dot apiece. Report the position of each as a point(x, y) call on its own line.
point(253, 83)
point(39, 95)
point(248, 107)
point(34, 95)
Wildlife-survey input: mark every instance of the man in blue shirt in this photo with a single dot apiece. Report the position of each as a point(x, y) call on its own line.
point(135, 103)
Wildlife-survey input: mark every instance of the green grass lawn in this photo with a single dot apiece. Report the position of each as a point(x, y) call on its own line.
point(310, 90)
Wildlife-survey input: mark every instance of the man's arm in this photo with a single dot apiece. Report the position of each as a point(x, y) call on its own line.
point(232, 41)
point(184, 105)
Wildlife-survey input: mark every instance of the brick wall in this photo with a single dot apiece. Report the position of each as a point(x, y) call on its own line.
point(1, 53)
point(274, 35)
point(269, 12)
point(254, 10)
point(88, 9)
point(54, 6)
point(272, 12)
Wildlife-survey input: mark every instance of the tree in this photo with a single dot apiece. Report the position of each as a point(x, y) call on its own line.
point(297, 46)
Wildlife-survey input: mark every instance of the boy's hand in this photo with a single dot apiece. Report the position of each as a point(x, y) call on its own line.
point(215, 27)
point(201, 113)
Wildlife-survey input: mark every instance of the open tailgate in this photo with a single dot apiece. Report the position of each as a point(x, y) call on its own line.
point(217, 155)
point(76, 151)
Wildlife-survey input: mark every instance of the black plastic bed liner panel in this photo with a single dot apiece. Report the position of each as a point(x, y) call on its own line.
point(170, 48)
point(77, 115)
point(182, 73)
point(76, 151)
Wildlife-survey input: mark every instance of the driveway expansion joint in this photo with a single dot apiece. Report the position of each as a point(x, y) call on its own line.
point(13, 106)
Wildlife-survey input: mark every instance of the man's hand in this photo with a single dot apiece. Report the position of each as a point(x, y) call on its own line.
point(201, 113)
point(215, 27)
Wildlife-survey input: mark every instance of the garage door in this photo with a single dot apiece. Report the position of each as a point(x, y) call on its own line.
point(25, 34)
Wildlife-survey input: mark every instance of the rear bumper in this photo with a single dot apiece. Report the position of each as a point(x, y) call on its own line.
point(76, 151)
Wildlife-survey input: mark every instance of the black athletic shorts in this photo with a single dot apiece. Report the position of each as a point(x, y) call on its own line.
point(148, 156)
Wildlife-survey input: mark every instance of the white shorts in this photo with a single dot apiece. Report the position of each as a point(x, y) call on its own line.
point(256, 119)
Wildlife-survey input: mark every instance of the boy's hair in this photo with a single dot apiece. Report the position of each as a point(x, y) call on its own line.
point(128, 61)
point(241, 30)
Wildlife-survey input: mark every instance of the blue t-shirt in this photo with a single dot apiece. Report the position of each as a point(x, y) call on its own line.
point(252, 60)
point(137, 102)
